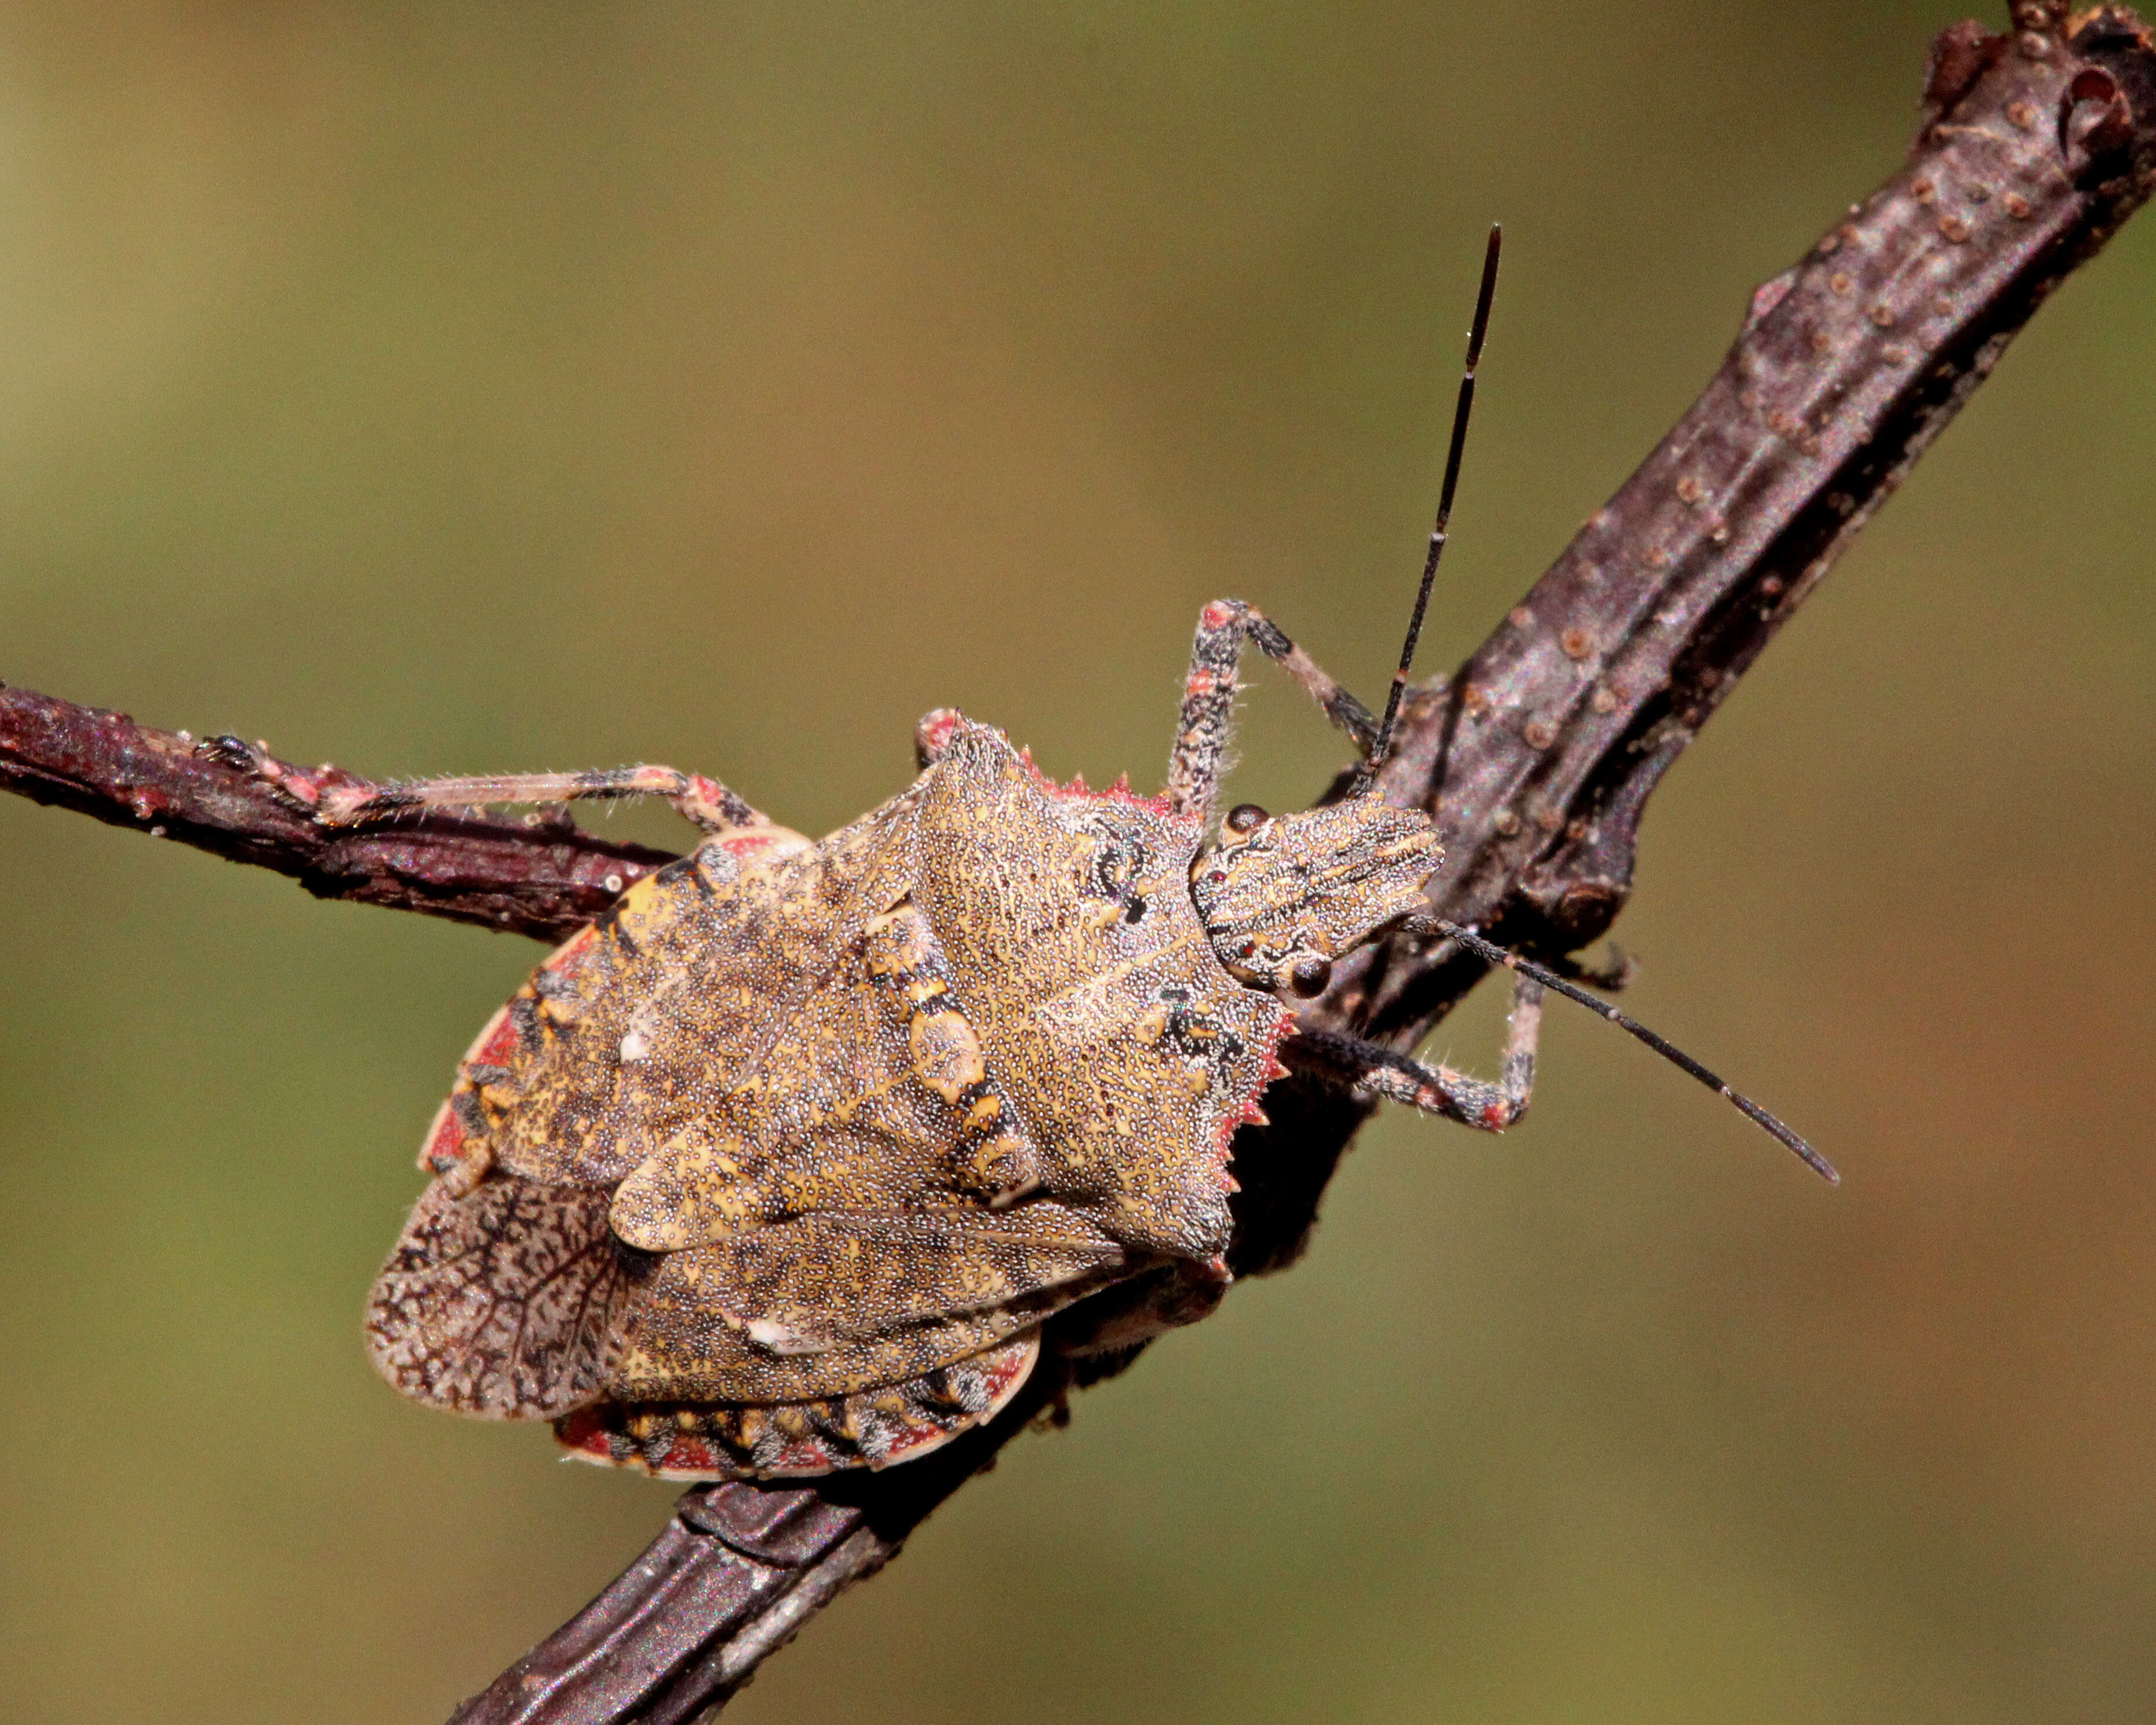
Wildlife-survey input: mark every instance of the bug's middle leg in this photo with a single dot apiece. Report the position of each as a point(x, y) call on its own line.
point(1208, 719)
point(1376, 1070)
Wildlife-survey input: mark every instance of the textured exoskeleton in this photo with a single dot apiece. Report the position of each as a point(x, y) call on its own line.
point(779, 1166)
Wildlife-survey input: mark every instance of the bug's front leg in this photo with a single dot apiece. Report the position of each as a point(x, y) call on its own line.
point(1376, 1070)
point(703, 801)
point(1208, 719)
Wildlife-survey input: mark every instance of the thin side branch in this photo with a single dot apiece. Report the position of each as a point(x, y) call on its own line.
point(238, 801)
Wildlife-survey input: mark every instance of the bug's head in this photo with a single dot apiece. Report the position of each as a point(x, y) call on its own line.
point(1283, 895)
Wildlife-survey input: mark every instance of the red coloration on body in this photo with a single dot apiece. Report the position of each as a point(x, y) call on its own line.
point(444, 1145)
point(934, 736)
point(572, 952)
point(583, 1432)
point(692, 1455)
point(1005, 1373)
point(1077, 791)
point(753, 842)
point(496, 1043)
point(803, 1461)
point(1248, 1113)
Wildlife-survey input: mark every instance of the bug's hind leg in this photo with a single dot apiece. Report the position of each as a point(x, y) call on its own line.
point(1376, 1070)
point(1208, 719)
point(702, 801)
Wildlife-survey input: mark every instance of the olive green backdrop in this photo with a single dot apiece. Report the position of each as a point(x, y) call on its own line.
point(459, 387)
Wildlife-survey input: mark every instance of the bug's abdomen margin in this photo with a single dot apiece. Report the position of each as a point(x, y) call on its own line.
point(870, 1428)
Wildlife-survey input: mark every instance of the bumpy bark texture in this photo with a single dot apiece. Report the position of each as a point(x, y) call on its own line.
point(1538, 757)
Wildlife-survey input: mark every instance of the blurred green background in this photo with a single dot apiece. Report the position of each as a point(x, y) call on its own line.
point(458, 386)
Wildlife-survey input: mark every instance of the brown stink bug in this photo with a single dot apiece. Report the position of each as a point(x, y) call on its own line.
point(779, 1166)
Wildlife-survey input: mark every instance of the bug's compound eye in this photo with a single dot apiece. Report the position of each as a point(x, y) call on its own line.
point(1310, 977)
point(1245, 818)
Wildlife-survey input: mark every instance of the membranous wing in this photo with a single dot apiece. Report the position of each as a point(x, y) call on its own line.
point(505, 1302)
point(763, 1051)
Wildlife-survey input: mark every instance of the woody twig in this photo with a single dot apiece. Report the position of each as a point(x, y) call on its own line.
point(1538, 757)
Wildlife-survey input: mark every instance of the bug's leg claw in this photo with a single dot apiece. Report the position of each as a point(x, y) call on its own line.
point(229, 751)
point(302, 789)
point(1376, 1070)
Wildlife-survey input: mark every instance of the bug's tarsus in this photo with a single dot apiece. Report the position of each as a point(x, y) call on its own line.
point(1376, 1071)
point(1496, 954)
point(1460, 412)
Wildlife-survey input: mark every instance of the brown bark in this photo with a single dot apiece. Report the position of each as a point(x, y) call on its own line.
point(1538, 756)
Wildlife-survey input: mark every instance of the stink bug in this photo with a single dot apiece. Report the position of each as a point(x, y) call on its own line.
point(779, 1167)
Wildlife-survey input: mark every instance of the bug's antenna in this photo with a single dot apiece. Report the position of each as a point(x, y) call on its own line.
point(1668, 1050)
point(1461, 410)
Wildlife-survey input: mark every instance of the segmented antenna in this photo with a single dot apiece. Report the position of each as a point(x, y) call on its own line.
point(1383, 745)
point(1668, 1050)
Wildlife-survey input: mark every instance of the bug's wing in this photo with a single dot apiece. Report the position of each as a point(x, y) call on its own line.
point(832, 1304)
point(507, 1293)
point(637, 1021)
point(770, 1046)
point(836, 1224)
point(872, 1094)
point(505, 1302)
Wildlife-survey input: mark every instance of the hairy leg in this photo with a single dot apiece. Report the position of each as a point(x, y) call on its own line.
point(1378, 1071)
point(1208, 719)
point(704, 802)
